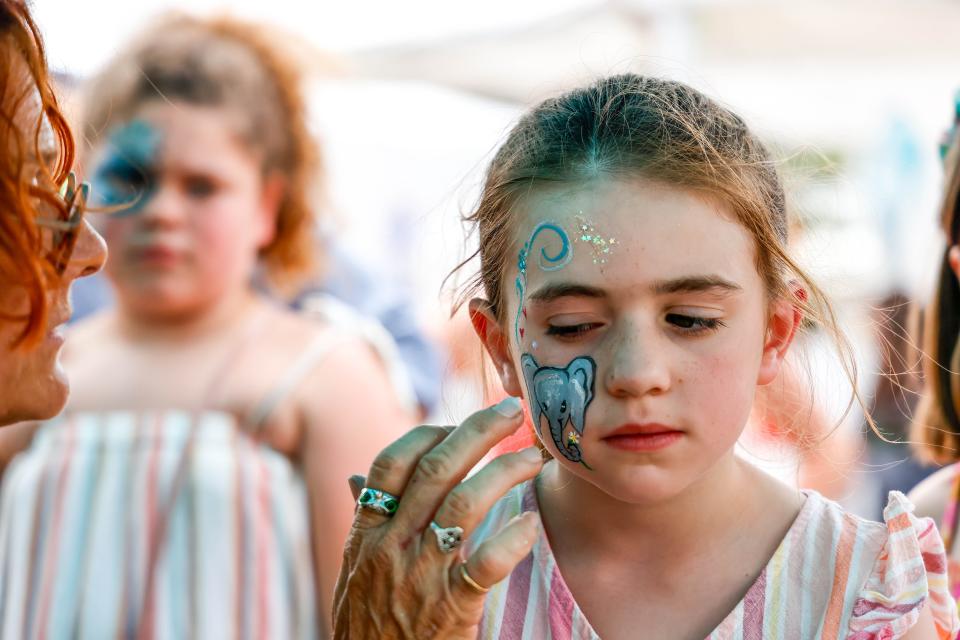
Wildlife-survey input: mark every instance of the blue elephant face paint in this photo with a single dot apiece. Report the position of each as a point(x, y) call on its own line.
point(126, 175)
point(561, 396)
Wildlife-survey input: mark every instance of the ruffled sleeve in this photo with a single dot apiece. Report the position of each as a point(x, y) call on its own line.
point(910, 571)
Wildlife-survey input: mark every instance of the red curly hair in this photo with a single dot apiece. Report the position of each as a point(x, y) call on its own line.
point(24, 189)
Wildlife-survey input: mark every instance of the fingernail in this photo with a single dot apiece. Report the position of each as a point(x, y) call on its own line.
point(531, 454)
point(508, 407)
point(356, 482)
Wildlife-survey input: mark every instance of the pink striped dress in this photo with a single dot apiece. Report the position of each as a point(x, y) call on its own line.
point(834, 576)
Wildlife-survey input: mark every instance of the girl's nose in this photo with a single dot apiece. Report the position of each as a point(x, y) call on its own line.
point(159, 207)
point(89, 254)
point(638, 366)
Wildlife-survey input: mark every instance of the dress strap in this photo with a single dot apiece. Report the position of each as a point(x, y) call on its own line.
point(315, 351)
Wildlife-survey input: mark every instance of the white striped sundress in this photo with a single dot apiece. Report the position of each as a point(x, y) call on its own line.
point(160, 524)
point(83, 510)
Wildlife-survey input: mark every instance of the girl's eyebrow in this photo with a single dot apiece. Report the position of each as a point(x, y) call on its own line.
point(552, 291)
point(694, 284)
point(688, 284)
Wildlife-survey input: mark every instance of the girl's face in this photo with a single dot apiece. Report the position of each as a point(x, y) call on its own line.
point(200, 210)
point(640, 348)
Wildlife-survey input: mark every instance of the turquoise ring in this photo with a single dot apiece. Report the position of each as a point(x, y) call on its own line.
point(379, 501)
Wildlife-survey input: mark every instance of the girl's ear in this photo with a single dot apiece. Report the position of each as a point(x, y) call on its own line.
point(497, 344)
point(274, 190)
point(953, 257)
point(785, 319)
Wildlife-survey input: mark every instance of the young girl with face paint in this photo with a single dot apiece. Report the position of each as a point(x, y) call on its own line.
point(637, 292)
point(194, 487)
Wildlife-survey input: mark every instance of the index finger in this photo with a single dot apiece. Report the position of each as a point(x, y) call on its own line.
point(444, 466)
point(392, 468)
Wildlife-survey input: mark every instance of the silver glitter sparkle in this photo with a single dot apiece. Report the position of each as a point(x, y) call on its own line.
point(600, 245)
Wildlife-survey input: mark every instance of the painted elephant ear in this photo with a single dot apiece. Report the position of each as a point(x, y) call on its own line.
point(529, 366)
point(583, 370)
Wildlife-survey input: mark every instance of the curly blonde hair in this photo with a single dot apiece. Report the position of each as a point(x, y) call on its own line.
point(223, 62)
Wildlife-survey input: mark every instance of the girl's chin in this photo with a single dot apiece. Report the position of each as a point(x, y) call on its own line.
point(162, 306)
point(646, 485)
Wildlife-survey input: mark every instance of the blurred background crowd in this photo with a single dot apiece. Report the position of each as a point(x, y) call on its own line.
point(406, 102)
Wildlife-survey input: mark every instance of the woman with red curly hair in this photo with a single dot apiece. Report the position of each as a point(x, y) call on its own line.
point(44, 242)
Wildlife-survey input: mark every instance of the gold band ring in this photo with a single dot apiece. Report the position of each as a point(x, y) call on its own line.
point(470, 581)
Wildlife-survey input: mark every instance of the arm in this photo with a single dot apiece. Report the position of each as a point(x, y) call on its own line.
point(925, 629)
point(350, 415)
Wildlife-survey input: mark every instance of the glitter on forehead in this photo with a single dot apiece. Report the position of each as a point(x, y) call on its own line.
point(600, 245)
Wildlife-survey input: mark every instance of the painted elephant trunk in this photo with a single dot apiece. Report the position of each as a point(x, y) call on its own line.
point(569, 447)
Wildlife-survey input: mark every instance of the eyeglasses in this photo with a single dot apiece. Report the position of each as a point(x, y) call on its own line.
point(66, 226)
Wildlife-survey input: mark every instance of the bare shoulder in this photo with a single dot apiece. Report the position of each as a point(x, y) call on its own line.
point(930, 497)
point(346, 358)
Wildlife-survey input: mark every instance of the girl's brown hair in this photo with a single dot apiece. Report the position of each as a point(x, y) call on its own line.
point(936, 424)
point(631, 125)
point(24, 186)
point(224, 63)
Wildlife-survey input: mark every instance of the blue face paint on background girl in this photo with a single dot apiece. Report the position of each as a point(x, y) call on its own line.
point(125, 176)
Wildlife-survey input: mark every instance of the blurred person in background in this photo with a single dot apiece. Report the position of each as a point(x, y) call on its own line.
point(194, 486)
point(45, 243)
point(936, 424)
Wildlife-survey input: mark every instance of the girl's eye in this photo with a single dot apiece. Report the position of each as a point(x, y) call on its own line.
point(572, 331)
point(124, 177)
point(199, 187)
point(694, 324)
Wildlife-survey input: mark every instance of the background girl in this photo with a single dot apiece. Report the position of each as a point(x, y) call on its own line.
point(194, 488)
point(637, 291)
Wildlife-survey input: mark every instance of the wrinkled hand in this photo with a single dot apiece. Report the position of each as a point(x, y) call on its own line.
point(395, 582)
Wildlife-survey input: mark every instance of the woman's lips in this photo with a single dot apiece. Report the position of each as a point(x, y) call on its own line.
point(56, 335)
point(643, 437)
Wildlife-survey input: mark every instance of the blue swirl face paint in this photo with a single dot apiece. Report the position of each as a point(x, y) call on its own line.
point(561, 395)
point(546, 262)
point(127, 173)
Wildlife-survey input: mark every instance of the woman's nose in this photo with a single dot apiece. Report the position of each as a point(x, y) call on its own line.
point(638, 366)
point(89, 254)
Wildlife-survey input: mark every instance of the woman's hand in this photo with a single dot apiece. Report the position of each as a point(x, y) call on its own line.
point(395, 581)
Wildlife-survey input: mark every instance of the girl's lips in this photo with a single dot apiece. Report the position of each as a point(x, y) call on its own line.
point(646, 437)
point(158, 255)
